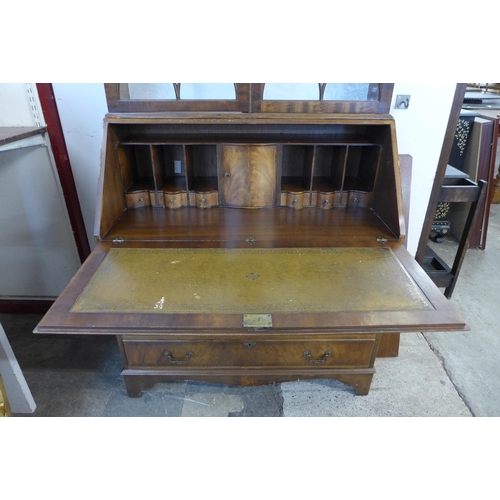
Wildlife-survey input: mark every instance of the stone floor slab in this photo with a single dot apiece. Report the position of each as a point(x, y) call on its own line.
point(412, 385)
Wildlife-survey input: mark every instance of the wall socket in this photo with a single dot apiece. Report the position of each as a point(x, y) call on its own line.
point(402, 101)
point(177, 166)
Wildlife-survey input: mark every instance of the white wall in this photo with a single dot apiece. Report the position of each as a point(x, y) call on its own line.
point(14, 106)
point(420, 132)
point(82, 108)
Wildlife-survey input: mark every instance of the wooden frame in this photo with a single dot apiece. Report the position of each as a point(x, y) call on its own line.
point(249, 99)
point(441, 274)
point(118, 105)
point(458, 99)
point(380, 106)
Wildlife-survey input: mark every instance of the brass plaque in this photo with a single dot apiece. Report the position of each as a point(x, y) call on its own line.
point(249, 281)
point(257, 320)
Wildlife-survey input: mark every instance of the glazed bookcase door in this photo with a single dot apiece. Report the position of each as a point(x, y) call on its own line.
point(344, 98)
point(173, 97)
point(349, 98)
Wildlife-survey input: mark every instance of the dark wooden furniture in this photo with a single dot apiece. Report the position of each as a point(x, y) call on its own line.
point(250, 248)
point(441, 226)
point(482, 160)
point(476, 196)
point(461, 191)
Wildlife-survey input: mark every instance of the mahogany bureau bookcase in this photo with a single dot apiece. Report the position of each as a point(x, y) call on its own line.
point(250, 240)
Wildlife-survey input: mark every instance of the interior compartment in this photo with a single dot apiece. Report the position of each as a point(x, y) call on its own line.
point(324, 165)
point(136, 168)
point(201, 167)
point(169, 167)
point(296, 170)
point(329, 168)
point(361, 168)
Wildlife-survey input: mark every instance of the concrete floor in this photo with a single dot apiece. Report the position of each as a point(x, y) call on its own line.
point(438, 374)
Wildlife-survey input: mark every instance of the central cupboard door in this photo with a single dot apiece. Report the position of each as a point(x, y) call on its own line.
point(249, 174)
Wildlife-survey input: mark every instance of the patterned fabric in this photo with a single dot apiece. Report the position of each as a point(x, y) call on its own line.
point(461, 141)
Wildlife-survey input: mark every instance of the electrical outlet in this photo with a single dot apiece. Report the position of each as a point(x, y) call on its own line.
point(402, 101)
point(177, 166)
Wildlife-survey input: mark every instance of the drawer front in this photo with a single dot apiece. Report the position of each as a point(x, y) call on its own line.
point(138, 199)
point(204, 200)
point(175, 200)
point(360, 198)
point(261, 353)
point(295, 200)
point(325, 200)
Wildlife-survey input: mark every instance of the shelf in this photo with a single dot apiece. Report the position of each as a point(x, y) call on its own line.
point(13, 134)
point(204, 184)
point(172, 184)
point(355, 184)
point(324, 185)
point(271, 227)
point(293, 184)
point(141, 184)
point(19, 137)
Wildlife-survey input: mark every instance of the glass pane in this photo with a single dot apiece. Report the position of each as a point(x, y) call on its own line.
point(208, 91)
point(291, 92)
point(151, 91)
point(350, 92)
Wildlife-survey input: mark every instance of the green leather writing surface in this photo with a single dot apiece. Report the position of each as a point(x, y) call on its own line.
point(242, 281)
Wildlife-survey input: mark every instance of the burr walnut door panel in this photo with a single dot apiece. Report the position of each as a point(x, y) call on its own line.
point(248, 176)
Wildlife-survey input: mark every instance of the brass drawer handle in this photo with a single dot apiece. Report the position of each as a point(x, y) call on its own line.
point(307, 354)
point(168, 355)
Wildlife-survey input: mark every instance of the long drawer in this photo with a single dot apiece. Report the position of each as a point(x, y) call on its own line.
point(171, 354)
